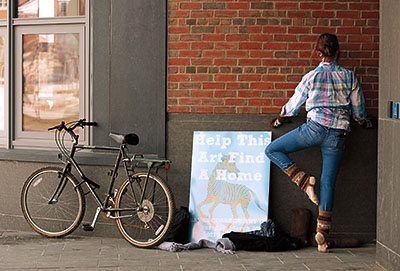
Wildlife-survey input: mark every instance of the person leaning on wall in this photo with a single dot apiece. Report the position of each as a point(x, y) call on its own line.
point(332, 94)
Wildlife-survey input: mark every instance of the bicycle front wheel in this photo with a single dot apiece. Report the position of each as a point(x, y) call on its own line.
point(144, 223)
point(52, 203)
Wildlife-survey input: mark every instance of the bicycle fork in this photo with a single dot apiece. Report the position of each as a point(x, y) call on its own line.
point(61, 185)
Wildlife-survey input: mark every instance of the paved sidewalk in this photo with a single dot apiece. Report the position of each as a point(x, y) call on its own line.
point(28, 251)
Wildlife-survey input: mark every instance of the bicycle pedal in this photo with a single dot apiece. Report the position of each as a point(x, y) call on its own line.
point(87, 227)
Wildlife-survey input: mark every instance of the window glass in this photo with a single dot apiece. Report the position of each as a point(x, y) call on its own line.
point(50, 68)
point(2, 102)
point(3, 9)
point(50, 8)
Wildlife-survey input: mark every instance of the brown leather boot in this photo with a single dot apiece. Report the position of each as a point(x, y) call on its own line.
point(303, 180)
point(324, 222)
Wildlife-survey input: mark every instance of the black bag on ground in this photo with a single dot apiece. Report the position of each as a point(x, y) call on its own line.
point(179, 229)
point(251, 242)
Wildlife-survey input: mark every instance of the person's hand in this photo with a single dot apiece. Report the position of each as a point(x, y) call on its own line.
point(277, 122)
point(366, 124)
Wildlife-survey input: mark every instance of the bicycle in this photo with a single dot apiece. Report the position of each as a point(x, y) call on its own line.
point(53, 200)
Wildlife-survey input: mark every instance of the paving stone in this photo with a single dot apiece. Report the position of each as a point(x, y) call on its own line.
point(28, 251)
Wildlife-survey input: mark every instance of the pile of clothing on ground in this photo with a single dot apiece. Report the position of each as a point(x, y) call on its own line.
point(268, 238)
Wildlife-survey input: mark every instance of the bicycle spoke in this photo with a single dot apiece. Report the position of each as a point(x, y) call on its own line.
point(59, 217)
point(150, 222)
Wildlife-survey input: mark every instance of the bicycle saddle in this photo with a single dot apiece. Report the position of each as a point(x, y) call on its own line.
point(131, 139)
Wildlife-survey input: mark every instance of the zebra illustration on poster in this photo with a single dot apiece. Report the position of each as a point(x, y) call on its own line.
point(223, 192)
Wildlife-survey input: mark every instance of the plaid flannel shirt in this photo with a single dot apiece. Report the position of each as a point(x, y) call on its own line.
point(331, 93)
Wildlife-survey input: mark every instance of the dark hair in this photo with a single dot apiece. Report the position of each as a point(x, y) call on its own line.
point(327, 45)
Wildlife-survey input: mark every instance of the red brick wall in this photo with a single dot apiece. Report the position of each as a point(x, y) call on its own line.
point(237, 56)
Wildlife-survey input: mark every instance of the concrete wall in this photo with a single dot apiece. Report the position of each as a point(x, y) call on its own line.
point(129, 70)
point(388, 224)
point(13, 176)
point(355, 197)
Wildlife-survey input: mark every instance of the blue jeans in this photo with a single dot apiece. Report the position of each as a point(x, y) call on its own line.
point(312, 134)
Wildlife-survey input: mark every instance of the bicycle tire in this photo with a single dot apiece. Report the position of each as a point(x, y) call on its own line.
point(60, 218)
point(147, 227)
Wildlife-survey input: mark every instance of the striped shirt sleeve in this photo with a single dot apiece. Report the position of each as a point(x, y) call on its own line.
point(357, 100)
point(293, 106)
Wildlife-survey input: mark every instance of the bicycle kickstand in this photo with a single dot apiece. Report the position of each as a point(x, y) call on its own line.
point(90, 227)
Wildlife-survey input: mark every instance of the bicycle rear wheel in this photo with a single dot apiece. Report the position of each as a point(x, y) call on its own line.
point(62, 215)
point(144, 224)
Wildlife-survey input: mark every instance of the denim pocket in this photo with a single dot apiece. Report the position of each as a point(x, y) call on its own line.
point(335, 142)
point(312, 134)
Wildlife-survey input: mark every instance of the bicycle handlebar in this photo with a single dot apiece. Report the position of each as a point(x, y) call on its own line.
point(90, 123)
point(80, 123)
point(58, 127)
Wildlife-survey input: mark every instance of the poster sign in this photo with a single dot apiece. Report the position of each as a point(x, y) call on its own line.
point(229, 184)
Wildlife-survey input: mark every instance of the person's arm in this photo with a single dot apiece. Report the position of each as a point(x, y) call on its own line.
point(293, 106)
point(358, 104)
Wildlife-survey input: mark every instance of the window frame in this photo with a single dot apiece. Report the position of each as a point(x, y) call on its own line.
point(43, 139)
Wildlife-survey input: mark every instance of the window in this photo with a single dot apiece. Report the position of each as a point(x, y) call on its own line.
point(3, 73)
point(49, 75)
point(50, 8)
point(3, 9)
point(49, 85)
point(2, 85)
point(50, 79)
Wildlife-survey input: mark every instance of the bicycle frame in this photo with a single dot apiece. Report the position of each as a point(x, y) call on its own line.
point(91, 185)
